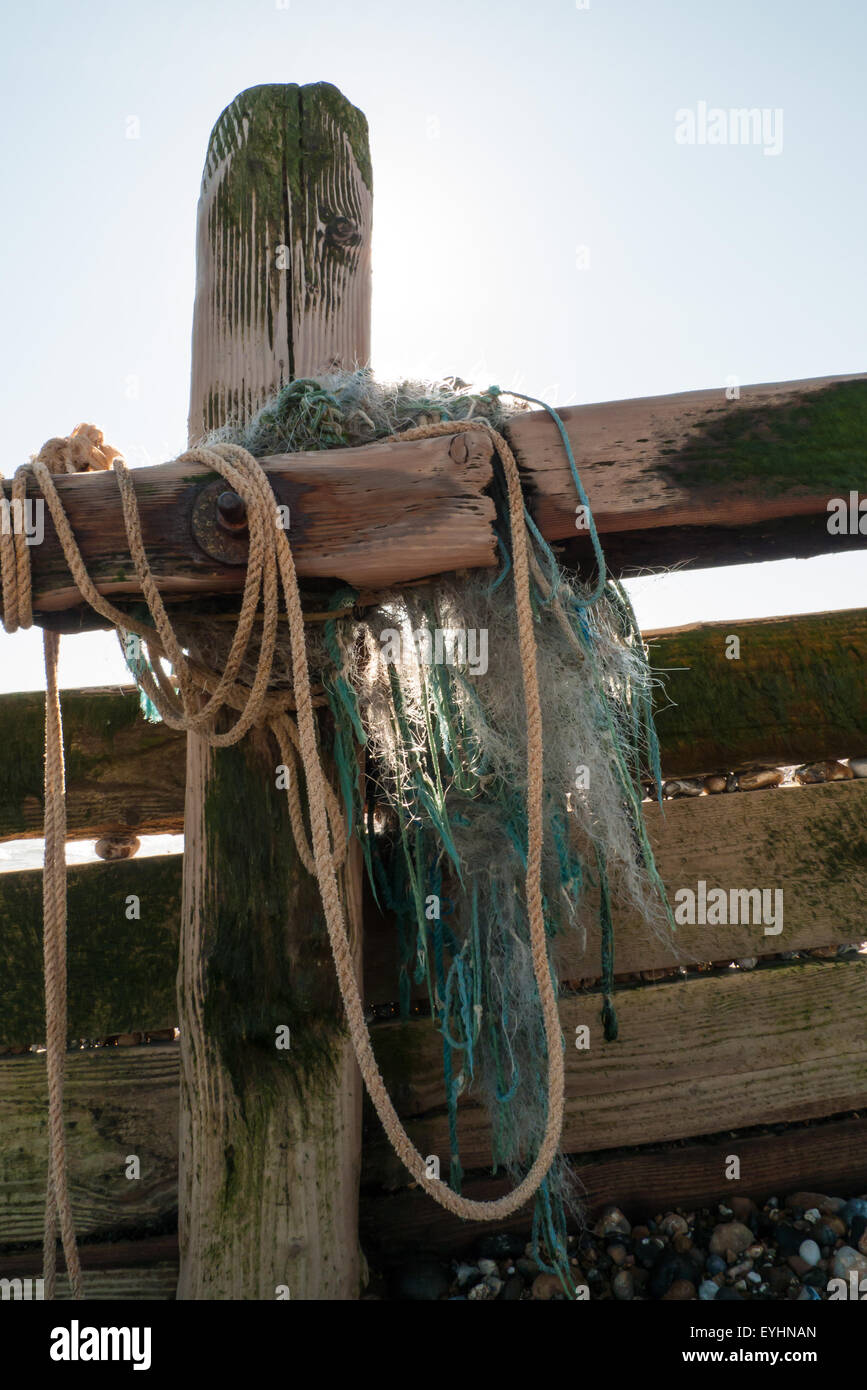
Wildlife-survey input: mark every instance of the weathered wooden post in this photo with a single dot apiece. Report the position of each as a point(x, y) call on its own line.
point(270, 1138)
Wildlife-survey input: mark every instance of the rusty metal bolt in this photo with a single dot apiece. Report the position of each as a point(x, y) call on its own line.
point(231, 511)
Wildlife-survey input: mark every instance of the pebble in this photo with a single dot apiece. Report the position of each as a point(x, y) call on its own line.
point(613, 1223)
point(680, 1291)
point(683, 786)
point(828, 771)
point(828, 1206)
point(674, 1225)
point(743, 1209)
point(845, 1259)
point(487, 1290)
point(856, 1207)
point(784, 1250)
point(730, 1235)
point(715, 783)
point(547, 1286)
point(757, 778)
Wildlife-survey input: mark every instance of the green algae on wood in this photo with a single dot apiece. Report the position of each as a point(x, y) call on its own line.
point(812, 440)
point(122, 774)
point(121, 969)
point(795, 693)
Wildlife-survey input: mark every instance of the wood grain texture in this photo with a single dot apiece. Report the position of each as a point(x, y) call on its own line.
point(672, 480)
point(779, 1045)
point(283, 282)
point(270, 1138)
point(122, 774)
point(693, 1058)
point(827, 1157)
point(796, 693)
point(371, 516)
point(117, 1102)
point(697, 460)
point(809, 841)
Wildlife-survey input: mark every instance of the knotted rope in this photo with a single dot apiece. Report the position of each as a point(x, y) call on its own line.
point(195, 704)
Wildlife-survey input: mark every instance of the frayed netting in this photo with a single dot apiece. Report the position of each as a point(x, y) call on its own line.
point(427, 681)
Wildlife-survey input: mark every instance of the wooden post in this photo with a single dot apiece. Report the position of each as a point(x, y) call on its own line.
point(270, 1141)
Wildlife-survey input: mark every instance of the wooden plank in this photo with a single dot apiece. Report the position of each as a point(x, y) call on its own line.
point(766, 1047)
point(122, 774)
point(122, 1270)
point(696, 478)
point(346, 521)
point(774, 1046)
point(826, 1157)
point(806, 840)
point(683, 479)
point(118, 1102)
point(122, 969)
point(271, 1139)
point(796, 693)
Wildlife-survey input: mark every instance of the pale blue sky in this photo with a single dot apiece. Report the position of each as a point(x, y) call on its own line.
point(504, 136)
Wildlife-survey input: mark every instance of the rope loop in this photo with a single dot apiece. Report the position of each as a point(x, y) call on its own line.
point(192, 699)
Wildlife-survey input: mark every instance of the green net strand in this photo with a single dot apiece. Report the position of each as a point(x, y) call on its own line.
point(442, 813)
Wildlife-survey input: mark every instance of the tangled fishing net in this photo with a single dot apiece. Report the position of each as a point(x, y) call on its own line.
point(425, 680)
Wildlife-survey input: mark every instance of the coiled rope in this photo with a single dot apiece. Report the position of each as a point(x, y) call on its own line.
point(194, 705)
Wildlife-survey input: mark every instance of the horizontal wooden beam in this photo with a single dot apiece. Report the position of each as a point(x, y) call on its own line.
point(823, 1157)
point(765, 1047)
point(121, 967)
point(794, 692)
point(775, 1046)
point(122, 774)
point(807, 841)
point(121, 1270)
point(117, 1102)
point(660, 472)
point(384, 514)
point(697, 478)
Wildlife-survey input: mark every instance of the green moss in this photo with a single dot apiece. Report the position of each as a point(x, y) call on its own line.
point(328, 100)
point(121, 972)
point(813, 440)
point(798, 683)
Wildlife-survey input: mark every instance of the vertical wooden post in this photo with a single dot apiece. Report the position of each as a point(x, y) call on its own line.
point(270, 1138)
